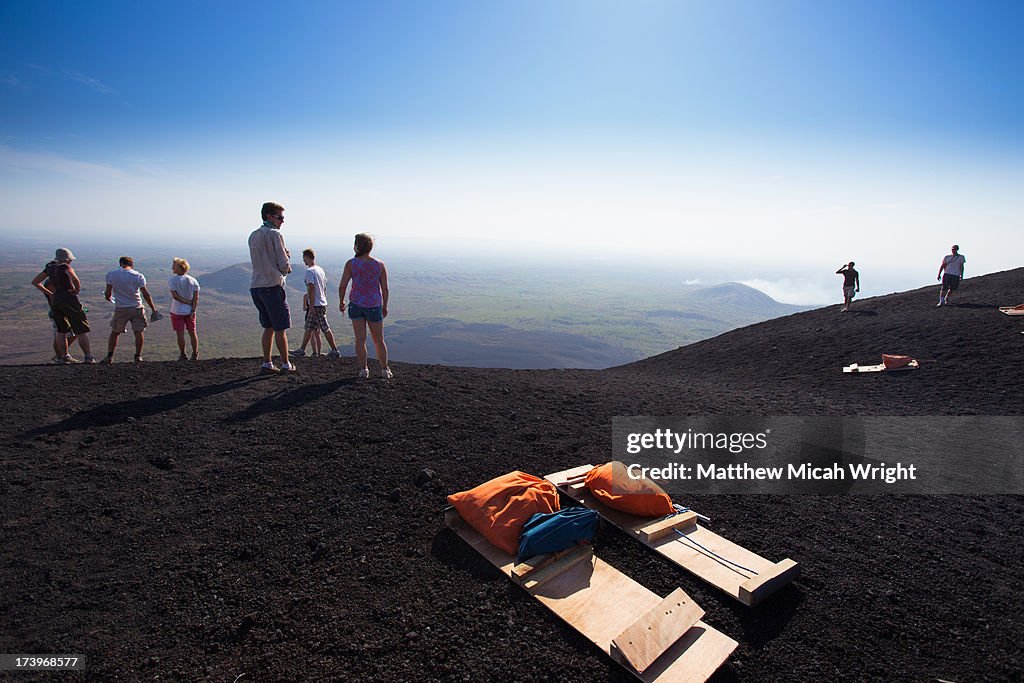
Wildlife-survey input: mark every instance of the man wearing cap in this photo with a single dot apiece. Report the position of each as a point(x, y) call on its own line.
point(270, 265)
point(65, 308)
point(953, 264)
point(126, 287)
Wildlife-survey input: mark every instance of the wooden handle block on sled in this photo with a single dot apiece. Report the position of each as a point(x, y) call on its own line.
point(666, 527)
point(757, 587)
point(653, 633)
point(541, 568)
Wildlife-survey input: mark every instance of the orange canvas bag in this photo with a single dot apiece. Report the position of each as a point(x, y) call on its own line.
point(501, 507)
point(613, 486)
point(890, 361)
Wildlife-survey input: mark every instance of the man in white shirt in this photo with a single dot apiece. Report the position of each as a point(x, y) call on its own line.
point(126, 288)
point(184, 302)
point(953, 264)
point(316, 304)
point(270, 265)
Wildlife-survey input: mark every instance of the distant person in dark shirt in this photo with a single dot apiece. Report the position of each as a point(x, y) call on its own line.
point(851, 284)
point(953, 264)
point(65, 308)
point(68, 337)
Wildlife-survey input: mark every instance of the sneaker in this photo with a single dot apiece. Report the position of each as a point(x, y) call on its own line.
point(58, 360)
point(138, 359)
point(194, 356)
point(288, 367)
point(334, 353)
point(108, 360)
point(386, 373)
point(182, 357)
point(298, 353)
point(938, 304)
point(269, 369)
point(364, 373)
point(69, 359)
point(89, 359)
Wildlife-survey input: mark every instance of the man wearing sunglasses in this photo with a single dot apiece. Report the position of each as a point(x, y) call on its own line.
point(270, 265)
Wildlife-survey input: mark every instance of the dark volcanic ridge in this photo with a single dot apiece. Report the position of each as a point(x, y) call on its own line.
point(196, 521)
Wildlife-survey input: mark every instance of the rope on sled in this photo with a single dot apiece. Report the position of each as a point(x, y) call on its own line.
point(712, 552)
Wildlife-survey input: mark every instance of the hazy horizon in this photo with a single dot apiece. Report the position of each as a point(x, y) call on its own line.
point(808, 288)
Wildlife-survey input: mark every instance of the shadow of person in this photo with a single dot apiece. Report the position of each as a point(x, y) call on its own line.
point(288, 399)
point(119, 412)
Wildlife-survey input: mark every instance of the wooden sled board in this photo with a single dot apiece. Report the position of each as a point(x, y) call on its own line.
point(660, 535)
point(1012, 310)
point(913, 365)
point(664, 637)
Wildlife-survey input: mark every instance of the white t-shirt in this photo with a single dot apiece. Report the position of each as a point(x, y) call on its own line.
point(126, 283)
point(316, 276)
point(186, 287)
point(955, 264)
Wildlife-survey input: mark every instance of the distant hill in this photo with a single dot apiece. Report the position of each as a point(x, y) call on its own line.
point(740, 298)
point(231, 280)
point(235, 280)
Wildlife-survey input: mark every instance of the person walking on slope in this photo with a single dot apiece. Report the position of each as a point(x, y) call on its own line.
point(953, 264)
point(126, 287)
point(368, 303)
point(851, 284)
point(61, 290)
point(315, 305)
point(184, 302)
point(270, 265)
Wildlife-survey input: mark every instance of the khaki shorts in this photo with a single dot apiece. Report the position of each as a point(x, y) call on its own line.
point(123, 316)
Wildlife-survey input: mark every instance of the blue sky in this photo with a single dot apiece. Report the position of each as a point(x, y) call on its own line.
point(781, 135)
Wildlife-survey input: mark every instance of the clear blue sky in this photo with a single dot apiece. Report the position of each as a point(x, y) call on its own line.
point(759, 131)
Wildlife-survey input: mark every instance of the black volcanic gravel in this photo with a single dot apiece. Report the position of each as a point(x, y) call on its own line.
point(195, 521)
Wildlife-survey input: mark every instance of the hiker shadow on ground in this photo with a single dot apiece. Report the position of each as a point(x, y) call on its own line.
point(286, 399)
point(135, 408)
point(958, 305)
point(862, 311)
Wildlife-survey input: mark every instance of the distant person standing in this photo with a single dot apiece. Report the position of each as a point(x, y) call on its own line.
point(68, 337)
point(368, 303)
point(953, 265)
point(851, 284)
point(126, 287)
point(184, 302)
point(315, 305)
point(62, 290)
point(270, 266)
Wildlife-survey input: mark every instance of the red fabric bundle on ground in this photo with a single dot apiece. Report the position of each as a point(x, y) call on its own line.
point(501, 507)
point(613, 486)
point(890, 361)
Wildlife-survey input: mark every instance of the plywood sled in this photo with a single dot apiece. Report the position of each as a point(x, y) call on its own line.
point(655, 639)
point(913, 365)
point(1012, 310)
point(744, 575)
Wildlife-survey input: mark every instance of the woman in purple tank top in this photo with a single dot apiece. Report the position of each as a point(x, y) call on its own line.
point(367, 303)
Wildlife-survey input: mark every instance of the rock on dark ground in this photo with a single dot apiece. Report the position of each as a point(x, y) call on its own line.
point(196, 521)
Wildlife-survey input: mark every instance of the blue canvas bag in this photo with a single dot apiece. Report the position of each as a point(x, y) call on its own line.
point(550, 532)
